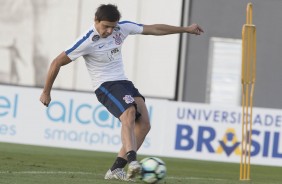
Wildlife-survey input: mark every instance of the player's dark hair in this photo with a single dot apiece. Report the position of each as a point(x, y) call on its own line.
point(107, 12)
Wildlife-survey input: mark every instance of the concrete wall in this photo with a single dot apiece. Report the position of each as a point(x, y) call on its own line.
point(224, 18)
point(48, 27)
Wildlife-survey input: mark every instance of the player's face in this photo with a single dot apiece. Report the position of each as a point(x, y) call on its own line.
point(105, 28)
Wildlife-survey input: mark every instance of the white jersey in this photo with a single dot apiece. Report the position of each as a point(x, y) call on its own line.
point(103, 56)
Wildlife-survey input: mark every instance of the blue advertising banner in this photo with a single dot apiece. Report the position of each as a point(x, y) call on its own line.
point(185, 130)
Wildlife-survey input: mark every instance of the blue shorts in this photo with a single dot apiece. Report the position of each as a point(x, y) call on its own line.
point(117, 96)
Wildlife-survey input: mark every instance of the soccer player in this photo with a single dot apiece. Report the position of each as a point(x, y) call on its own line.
point(100, 47)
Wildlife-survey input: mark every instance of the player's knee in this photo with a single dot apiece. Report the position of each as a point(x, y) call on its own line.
point(128, 116)
point(131, 112)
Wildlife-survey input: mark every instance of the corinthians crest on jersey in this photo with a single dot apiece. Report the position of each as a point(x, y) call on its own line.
point(118, 39)
point(128, 99)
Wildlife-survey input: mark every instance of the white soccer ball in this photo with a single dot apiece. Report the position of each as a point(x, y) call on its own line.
point(153, 169)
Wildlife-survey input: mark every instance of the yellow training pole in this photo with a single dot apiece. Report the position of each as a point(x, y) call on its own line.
point(248, 78)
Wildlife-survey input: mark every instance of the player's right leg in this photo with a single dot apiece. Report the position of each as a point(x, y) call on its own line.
point(142, 124)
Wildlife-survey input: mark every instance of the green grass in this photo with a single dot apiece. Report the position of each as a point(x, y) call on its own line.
point(24, 164)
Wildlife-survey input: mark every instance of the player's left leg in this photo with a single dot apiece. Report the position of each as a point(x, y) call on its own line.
point(142, 127)
point(134, 127)
point(128, 138)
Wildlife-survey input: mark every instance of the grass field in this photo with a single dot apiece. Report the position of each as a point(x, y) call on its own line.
point(22, 164)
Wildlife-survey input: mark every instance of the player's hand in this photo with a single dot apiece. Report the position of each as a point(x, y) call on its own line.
point(45, 99)
point(195, 29)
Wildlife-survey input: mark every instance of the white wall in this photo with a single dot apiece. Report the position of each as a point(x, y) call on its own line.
point(156, 57)
point(151, 62)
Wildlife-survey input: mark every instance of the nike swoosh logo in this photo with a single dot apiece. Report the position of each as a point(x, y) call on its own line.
point(101, 46)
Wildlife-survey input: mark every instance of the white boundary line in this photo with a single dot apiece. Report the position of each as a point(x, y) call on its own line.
point(92, 173)
point(44, 172)
point(195, 178)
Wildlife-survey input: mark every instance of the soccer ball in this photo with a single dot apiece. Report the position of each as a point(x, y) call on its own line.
point(153, 169)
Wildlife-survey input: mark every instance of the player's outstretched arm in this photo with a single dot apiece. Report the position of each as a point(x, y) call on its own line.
point(163, 29)
point(53, 71)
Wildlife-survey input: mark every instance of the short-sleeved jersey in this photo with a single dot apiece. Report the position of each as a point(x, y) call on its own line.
point(103, 56)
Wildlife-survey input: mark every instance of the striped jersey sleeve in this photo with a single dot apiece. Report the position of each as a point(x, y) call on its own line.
point(80, 46)
point(131, 28)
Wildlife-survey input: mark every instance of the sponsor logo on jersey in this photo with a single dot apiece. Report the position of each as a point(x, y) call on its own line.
point(114, 51)
point(95, 38)
point(118, 39)
point(101, 46)
point(128, 99)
